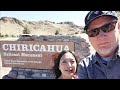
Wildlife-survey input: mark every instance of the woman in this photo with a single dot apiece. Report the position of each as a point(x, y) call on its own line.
point(65, 66)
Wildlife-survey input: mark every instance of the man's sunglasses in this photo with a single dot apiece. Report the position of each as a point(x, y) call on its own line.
point(105, 28)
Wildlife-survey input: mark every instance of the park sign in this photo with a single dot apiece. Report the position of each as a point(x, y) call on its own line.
point(31, 54)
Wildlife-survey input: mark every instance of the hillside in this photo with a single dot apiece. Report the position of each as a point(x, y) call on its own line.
point(13, 27)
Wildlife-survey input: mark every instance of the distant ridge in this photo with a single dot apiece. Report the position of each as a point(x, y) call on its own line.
point(11, 26)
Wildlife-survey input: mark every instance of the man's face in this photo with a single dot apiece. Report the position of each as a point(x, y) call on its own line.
point(104, 43)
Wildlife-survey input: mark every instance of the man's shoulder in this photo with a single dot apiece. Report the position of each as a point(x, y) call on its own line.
point(119, 49)
point(89, 59)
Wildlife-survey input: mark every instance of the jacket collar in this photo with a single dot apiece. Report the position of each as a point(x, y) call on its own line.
point(95, 56)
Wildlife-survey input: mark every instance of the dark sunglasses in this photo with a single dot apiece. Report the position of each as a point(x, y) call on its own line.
point(105, 28)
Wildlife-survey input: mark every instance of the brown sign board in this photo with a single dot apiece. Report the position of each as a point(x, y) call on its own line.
point(31, 54)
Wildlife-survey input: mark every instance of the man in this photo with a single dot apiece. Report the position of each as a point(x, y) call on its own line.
point(103, 33)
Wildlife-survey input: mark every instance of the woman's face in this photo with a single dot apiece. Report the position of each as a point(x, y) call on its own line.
point(67, 65)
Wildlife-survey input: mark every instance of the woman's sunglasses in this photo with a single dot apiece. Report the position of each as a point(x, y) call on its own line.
point(105, 28)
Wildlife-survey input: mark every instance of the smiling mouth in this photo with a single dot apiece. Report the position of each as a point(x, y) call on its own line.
point(70, 70)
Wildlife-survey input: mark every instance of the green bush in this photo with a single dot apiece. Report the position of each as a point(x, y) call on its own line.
point(57, 32)
point(26, 30)
point(6, 35)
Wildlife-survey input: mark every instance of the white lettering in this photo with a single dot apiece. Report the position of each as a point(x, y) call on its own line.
point(18, 47)
point(5, 47)
point(30, 49)
point(12, 47)
point(51, 48)
point(42, 48)
point(66, 47)
point(59, 48)
point(31, 55)
point(36, 47)
point(10, 54)
point(24, 47)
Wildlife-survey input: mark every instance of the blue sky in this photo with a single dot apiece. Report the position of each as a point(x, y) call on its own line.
point(76, 17)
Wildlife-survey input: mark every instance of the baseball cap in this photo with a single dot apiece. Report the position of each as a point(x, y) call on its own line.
point(92, 15)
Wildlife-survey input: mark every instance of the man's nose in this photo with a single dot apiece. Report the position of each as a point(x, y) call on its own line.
point(101, 33)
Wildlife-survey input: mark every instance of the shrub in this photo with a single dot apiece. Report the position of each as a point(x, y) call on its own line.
point(6, 35)
point(26, 30)
point(57, 32)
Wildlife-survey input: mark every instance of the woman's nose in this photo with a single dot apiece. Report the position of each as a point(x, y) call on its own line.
point(69, 64)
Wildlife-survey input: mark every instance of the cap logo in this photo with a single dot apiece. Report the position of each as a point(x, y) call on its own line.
point(105, 12)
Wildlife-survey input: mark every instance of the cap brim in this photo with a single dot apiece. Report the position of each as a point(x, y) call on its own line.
point(86, 26)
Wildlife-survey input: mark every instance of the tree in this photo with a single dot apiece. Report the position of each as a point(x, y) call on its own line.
point(57, 32)
point(26, 30)
point(6, 35)
point(0, 34)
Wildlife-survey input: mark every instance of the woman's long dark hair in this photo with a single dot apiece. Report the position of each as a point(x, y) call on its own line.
point(57, 61)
